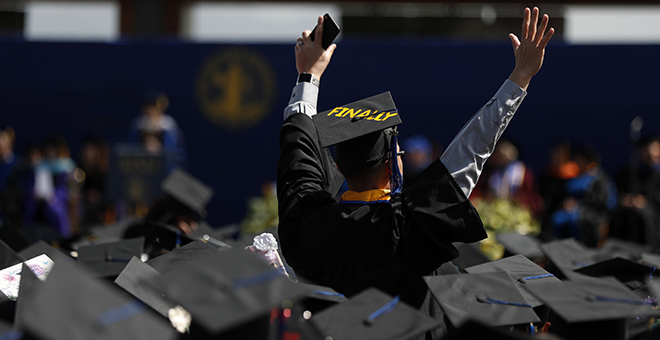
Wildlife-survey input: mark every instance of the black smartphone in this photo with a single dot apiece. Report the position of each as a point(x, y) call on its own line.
point(330, 31)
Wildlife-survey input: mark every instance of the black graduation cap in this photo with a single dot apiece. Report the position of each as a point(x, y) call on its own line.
point(650, 259)
point(8, 256)
point(323, 293)
point(522, 270)
point(227, 289)
point(73, 305)
point(133, 279)
point(592, 309)
point(7, 309)
point(209, 235)
point(469, 255)
point(516, 243)
point(361, 131)
point(41, 247)
point(614, 247)
point(372, 314)
point(188, 190)
point(109, 259)
point(7, 331)
point(566, 256)
point(182, 256)
point(28, 288)
point(318, 298)
point(490, 298)
point(628, 272)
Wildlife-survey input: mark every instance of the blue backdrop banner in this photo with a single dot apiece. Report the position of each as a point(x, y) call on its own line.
point(228, 99)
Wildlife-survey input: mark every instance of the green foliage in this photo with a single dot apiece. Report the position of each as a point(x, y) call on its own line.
point(261, 213)
point(503, 216)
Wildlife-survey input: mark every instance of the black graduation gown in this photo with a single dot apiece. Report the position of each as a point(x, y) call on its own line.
point(386, 245)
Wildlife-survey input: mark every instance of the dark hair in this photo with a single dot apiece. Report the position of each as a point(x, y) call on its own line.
point(366, 174)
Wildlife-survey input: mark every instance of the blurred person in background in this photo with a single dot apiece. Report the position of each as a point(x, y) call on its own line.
point(51, 191)
point(9, 164)
point(418, 156)
point(8, 160)
point(590, 198)
point(93, 161)
point(507, 177)
point(560, 168)
point(637, 217)
point(158, 131)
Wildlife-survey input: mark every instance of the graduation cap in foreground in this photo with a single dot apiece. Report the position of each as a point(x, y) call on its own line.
point(227, 289)
point(633, 274)
point(182, 256)
point(73, 305)
point(7, 331)
point(362, 131)
point(593, 309)
point(373, 314)
point(133, 279)
point(523, 271)
point(8, 257)
point(490, 298)
point(318, 298)
point(516, 243)
point(7, 310)
point(566, 256)
point(207, 234)
point(29, 286)
point(41, 247)
point(469, 255)
point(620, 248)
point(188, 190)
point(109, 259)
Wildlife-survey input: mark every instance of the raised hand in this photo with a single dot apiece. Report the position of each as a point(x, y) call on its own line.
point(529, 49)
point(310, 55)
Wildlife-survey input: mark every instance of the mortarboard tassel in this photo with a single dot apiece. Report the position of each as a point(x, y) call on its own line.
point(386, 308)
point(396, 178)
point(321, 292)
point(525, 279)
point(493, 301)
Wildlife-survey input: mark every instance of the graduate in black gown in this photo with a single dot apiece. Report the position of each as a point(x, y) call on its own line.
point(382, 233)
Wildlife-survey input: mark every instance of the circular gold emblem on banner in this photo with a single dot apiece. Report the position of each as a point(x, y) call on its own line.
point(235, 88)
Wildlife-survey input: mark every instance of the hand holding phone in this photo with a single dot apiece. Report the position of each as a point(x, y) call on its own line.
point(330, 31)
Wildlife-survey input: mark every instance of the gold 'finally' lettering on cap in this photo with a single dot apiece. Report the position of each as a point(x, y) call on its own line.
point(376, 118)
point(367, 114)
point(351, 113)
point(390, 114)
point(335, 110)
